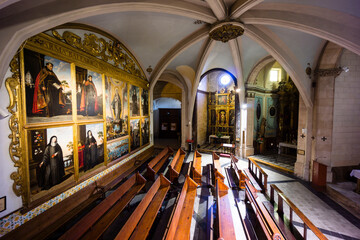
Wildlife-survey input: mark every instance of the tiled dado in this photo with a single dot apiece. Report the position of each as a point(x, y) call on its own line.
point(16, 219)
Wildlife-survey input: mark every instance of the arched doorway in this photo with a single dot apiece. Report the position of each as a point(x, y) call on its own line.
point(273, 104)
point(167, 115)
point(216, 112)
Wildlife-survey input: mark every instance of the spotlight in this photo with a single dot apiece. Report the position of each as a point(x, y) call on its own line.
point(345, 69)
point(244, 106)
point(237, 90)
point(225, 79)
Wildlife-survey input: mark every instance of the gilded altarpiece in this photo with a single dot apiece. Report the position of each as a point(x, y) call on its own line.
point(221, 114)
point(69, 100)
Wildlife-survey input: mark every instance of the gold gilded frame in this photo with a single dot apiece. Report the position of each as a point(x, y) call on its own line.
point(15, 85)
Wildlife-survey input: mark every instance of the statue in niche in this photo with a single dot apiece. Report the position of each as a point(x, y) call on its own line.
point(262, 127)
point(222, 119)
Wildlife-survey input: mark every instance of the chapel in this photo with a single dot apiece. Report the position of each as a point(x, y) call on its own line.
point(180, 119)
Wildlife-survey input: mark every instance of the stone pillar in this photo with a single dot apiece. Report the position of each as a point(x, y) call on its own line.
point(250, 106)
point(303, 158)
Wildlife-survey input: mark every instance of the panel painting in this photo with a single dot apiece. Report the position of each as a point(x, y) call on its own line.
point(135, 133)
point(134, 101)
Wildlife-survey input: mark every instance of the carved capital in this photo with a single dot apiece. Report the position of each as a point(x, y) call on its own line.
point(334, 72)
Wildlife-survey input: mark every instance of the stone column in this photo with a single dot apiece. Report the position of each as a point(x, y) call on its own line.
point(250, 106)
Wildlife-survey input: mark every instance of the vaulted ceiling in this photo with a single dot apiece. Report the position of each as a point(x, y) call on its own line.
point(170, 34)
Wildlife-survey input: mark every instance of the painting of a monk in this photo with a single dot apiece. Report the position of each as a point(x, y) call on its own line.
point(48, 93)
point(89, 103)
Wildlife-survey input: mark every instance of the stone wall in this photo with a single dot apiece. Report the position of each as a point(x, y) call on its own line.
point(346, 118)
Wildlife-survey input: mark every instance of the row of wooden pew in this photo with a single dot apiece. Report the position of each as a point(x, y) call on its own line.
point(138, 225)
point(271, 219)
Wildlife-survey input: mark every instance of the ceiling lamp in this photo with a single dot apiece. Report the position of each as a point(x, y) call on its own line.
point(225, 31)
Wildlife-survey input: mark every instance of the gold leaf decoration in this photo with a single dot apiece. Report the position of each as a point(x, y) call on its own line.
point(113, 52)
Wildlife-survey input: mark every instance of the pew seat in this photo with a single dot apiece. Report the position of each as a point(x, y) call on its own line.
point(196, 168)
point(176, 164)
point(93, 224)
point(180, 222)
point(239, 173)
point(157, 162)
point(140, 222)
point(217, 167)
point(225, 222)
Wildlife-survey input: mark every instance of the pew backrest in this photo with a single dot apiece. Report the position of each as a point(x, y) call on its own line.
point(196, 167)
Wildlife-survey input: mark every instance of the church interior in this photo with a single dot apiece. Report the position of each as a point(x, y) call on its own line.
point(180, 119)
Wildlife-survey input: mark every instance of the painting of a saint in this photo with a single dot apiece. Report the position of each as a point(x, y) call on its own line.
point(145, 102)
point(116, 108)
point(145, 131)
point(134, 134)
point(89, 94)
point(134, 101)
point(51, 157)
point(89, 102)
point(47, 87)
point(90, 146)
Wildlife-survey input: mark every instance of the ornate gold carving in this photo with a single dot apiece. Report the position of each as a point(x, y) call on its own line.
point(12, 85)
point(50, 46)
point(226, 31)
point(111, 51)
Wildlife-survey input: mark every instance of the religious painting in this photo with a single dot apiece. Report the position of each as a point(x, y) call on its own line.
point(232, 117)
point(134, 133)
point(222, 117)
point(222, 99)
point(213, 117)
point(145, 131)
point(117, 148)
point(173, 127)
point(145, 102)
point(51, 158)
point(89, 94)
point(90, 146)
point(134, 101)
point(47, 88)
point(116, 108)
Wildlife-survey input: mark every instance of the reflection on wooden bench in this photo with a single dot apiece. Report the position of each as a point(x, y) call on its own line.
point(181, 217)
point(241, 176)
point(223, 213)
point(280, 209)
point(217, 167)
point(258, 173)
point(176, 164)
point(267, 223)
point(139, 223)
point(93, 225)
point(156, 163)
point(196, 168)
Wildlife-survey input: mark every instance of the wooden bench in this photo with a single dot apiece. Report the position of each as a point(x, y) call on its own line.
point(196, 168)
point(240, 174)
point(176, 164)
point(259, 174)
point(156, 163)
point(225, 222)
point(217, 167)
point(267, 223)
point(139, 223)
point(181, 218)
point(93, 224)
point(280, 209)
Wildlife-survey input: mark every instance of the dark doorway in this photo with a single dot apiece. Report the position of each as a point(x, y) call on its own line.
point(169, 123)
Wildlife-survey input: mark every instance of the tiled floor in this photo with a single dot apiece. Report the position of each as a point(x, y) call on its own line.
point(333, 220)
point(283, 161)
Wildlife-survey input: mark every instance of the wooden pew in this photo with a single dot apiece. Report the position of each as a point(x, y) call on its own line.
point(176, 164)
point(257, 175)
point(280, 209)
point(266, 221)
point(240, 174)
point(225, 222)
point(181, 218)
point(196, 168)
point(100, 217)
point(156, 163)
point(139, 223)
point(217, 167)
